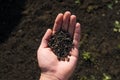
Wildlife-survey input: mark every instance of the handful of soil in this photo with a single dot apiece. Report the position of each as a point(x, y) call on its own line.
point(61, 44)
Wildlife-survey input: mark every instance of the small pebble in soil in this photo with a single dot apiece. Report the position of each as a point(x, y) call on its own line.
point(61, 44)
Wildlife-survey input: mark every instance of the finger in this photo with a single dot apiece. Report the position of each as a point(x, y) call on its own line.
point(66, 19)
point(58, 23)
point(76, 37)
point(45, 38)
point(72, 25)
point(74, 53)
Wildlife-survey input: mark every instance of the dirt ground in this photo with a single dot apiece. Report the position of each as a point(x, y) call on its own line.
point(24, 22)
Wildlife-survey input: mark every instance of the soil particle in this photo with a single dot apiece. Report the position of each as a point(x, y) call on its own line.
point(61, 44)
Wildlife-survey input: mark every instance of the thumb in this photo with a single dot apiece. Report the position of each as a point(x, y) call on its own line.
point(46, 37)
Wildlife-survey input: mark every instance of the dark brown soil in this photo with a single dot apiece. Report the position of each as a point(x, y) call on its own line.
point(24, 22)
point(61, 44)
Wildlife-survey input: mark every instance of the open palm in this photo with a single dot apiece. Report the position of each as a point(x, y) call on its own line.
point(48, 62)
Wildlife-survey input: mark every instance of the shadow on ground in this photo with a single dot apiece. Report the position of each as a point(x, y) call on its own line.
point(10, 15)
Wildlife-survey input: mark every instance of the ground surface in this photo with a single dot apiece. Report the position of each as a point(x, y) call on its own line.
point(23, 23)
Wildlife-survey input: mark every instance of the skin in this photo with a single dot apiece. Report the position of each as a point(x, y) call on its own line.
point(51, 67)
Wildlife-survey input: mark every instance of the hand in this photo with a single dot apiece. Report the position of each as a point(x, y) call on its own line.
point(51, 67)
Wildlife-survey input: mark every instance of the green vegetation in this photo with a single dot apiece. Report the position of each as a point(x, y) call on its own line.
point(86, 55)
point(110, 5)
point(90, 8)
point(116, 1)
point(118, 46)
point(92, 77)
point(83, 78)
point(106, 77)
point(116, 26)
point(77, 1)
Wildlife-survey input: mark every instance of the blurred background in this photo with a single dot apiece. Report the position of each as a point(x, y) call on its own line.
point(24, 22)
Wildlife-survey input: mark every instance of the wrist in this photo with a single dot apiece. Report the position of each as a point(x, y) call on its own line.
point(48, 77)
